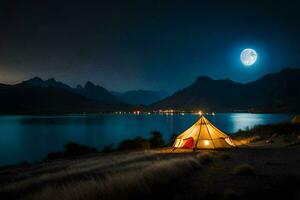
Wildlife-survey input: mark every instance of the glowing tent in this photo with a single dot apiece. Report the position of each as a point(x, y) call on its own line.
point(203, 135)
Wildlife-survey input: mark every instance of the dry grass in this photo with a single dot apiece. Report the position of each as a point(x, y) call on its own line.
point(80, 169)
point(151, 175)
point(224, 156)
point(244, 170)
point(132, 184)
point(230, 194)
point(107, 177)
point(246, 140)
point(206, 158)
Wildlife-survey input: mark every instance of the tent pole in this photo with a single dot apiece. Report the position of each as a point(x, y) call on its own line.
point(198, 134)
point(210, 136)
point(173, 147)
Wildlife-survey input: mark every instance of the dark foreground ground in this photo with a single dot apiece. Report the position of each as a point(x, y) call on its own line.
point(243, 173)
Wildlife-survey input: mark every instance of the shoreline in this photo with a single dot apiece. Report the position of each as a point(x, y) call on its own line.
point(260, 136)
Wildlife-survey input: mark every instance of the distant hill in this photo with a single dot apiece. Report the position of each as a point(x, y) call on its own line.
point(95, 92)
point(90, 90)
point(99, 93)
point(36, 96)
point(277, 92)
point(38, 82)
point(140, 97)
point(26, 99)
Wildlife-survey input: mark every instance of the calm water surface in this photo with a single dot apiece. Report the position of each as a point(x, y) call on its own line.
point(31, 138)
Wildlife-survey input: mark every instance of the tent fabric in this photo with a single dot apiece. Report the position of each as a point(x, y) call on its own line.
point(203, 135)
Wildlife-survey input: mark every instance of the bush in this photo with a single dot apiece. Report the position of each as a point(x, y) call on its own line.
point(267, 131)
point(156, 139)
point(134, 144)
point(55, 155)
point(244, 170)
point(296, 119)
point(205, 158)
point(108, 149)
point(224, 156)
point(269, 141)
point(230, 194)
point(73, 149)
point(286, 140)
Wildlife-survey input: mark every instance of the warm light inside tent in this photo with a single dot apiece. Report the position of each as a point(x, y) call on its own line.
point(203, 135)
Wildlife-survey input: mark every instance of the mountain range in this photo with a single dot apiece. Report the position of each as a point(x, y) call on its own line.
point(99, 93)
point(27, 99)
point(89, 90)
point(277, 92)
point(140, 97)
point(37, 96)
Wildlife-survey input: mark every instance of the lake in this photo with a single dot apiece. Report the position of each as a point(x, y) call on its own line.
point(31, 138)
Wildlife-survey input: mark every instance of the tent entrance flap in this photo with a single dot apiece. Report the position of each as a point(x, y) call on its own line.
point(188, 143)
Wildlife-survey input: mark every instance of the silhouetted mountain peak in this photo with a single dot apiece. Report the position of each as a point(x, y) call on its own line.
point(272, 93)
point(79, 87)
point(95, 92)
point(284, 75)
point(36, 78)
point(203, 78)
point(51, 80)
point(90, 90)
point(53, 83)
point(289, 69)
point(89, 84)
point(35, 81)
point(26, 98)
point(203, 81)
point(38, 82)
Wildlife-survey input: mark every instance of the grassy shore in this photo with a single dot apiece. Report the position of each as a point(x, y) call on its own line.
point(259, 169)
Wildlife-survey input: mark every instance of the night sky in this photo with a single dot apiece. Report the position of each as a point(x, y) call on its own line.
point(145, 44)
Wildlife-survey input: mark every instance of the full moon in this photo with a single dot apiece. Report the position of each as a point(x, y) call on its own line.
point(248, 57)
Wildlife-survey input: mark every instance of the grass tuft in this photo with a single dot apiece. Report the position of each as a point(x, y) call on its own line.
point(206, 158)
point(230, 194)
point(244, 170)
point(224, 156)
